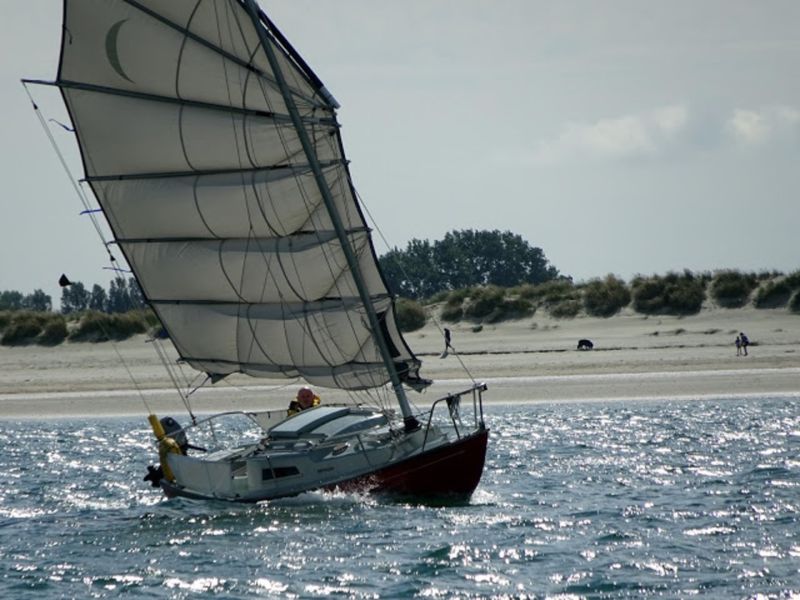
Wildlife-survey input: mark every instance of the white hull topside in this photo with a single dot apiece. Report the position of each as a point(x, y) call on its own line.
point(328, 447)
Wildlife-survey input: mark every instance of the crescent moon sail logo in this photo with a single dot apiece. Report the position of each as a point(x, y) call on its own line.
point(112, 50)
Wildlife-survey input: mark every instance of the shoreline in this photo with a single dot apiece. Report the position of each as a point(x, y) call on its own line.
point(613, 387)
point(533, 360)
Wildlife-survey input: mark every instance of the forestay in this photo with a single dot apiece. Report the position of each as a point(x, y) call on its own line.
point(188, 145)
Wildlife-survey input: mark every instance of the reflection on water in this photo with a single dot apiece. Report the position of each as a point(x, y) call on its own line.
point(619, 499)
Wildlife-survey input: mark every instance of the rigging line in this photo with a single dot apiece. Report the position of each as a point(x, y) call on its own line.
point(115, 346)
point(168, 368)
point(91, 212)
point(337, 283)
point(268, 263)
point(87, 208)
point(435, 320)
point(85, 202)
point(300, 318)
point(311, 208)
point(254, 341)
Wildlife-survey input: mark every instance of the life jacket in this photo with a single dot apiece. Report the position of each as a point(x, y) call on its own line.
point(294, 406)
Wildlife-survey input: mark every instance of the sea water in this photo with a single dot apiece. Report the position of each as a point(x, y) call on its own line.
point(600, 500)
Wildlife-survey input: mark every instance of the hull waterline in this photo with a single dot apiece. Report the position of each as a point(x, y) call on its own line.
point(453, 471)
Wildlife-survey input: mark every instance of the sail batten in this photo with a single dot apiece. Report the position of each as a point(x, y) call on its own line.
point(287, 170)
point(278, 310)
point(227, 192)
point(310, 120)
point(299, 240)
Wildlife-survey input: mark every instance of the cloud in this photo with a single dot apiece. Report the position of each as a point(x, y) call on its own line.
point(626, 137)
point(664, 132)
point(770, 125)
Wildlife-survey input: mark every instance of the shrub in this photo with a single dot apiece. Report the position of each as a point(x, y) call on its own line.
point(410, 315)
point(452, 314)
point(648, 296)
point(604, 298)
point(527, 291)
point(732, 289)
point(490, 304)
point(794, 303)
point(5, 319)
point(149, 317)
point(564, 309)
point(793, 280)
point(552, 292)
point(437, 298)
point(484, 302)
point(511, 308)
point(457, 297)
point(773, 295)
point(672, 294)
point(686, 299)
point(23, 328)
point(101, 327)
point(54, 332)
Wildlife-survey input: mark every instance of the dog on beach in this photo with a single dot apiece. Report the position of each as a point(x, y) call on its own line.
point(585, 344)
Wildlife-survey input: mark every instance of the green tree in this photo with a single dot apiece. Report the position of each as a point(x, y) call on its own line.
point(11, 300)
point(124, 295)
point(98, 298)
point(497, 258)
point(408, 272)
point(38, 301)
point(118, 298)
point(74, 298)
point(463, 259)
point(135, 293)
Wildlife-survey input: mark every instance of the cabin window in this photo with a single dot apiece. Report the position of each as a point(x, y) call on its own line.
point(278, 472)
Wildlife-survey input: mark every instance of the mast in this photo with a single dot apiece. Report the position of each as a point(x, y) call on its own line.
point(410, 421)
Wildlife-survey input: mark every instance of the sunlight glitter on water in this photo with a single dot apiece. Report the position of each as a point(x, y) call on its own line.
point(619, 500)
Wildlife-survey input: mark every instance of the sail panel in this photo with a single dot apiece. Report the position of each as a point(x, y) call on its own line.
point(201, 51)
point(227, 205)
point(189, 148)
point(134, 135)
point(267, 270)
point(273, 335)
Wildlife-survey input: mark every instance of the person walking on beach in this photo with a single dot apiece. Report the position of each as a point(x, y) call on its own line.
point(447, 344)
point(745, 342)
point(738, 343)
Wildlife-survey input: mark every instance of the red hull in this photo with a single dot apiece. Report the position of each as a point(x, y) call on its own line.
point(453, 471)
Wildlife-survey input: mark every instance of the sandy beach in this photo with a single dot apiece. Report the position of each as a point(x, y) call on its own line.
point(531, 360)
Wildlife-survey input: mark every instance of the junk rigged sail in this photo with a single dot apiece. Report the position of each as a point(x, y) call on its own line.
point(190, 148)
point(215, 154)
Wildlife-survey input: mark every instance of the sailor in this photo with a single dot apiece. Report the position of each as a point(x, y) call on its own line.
point(306, 398)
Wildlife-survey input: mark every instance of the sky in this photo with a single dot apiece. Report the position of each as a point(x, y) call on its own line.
point(620, 137)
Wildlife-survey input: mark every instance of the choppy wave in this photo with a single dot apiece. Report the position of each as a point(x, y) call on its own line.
point(613, 500)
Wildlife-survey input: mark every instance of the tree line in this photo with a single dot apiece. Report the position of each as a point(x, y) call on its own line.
point(464, 259)
point(122, 296)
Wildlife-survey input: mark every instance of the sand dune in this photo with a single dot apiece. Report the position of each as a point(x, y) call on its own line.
point(528, 360)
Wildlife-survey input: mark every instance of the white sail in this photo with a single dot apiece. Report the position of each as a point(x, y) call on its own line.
point(189, 147)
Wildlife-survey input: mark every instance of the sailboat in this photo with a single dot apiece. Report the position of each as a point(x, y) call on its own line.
point(215, 155)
